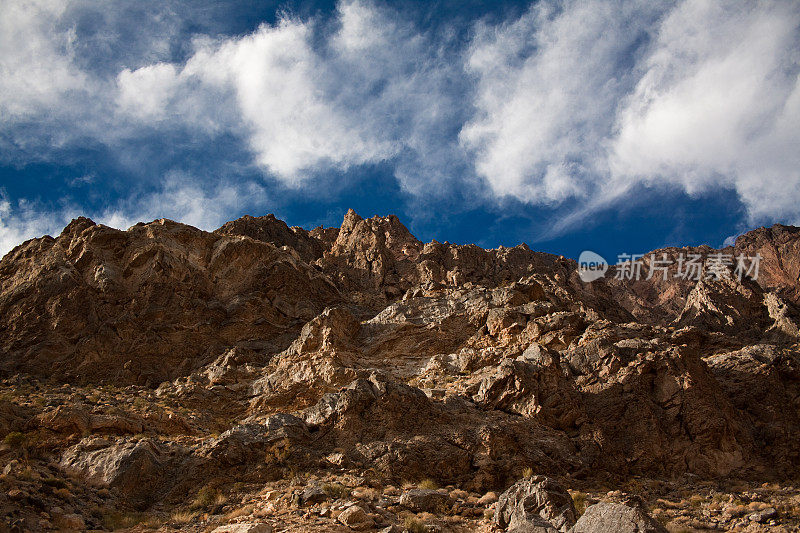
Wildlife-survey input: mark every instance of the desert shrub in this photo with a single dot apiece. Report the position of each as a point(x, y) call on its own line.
point(55, 482)
point(336, 491)
point(208, 497)
point(579, 500)
point(16, 440)
point(414, 525)
point(115, 520)
point(428, 484)
point(182, 517)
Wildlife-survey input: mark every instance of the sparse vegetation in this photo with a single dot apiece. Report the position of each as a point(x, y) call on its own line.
point(114, 520)
point(183, 517)
point(241, 511)
point(208, 497)
point(336, 491)
point(428, 484)
point(56, 483)
point(696, 501)
point(414, 525)
point(16, 440)
point(579, 500)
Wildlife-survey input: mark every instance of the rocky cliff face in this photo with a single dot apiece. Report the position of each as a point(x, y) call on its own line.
point(146, 364)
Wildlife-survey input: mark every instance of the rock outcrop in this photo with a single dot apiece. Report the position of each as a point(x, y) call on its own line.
point(537, 503)
point(173, 371)
point(148, 304)
point(628, 517)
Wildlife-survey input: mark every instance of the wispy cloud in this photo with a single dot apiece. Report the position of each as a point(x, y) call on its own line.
point(717, 104)
point(23, 220)
point(184, 198)
point(571, 104)
point(548, 87)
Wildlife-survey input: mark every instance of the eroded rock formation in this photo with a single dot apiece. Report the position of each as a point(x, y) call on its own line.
point(153, 362)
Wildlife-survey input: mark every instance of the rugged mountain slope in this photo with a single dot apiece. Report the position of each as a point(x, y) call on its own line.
point(151, 303)
point(261, 354)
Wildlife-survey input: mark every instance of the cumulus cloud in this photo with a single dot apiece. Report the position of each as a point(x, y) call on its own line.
point(570, 103)
point(547, 89)
point(588, 99)
point(718, 104)
point(374, 90)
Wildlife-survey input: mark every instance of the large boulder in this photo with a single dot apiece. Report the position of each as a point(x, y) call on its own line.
point(139, 470)
point(537, 503)
point(534, 390)
point(431, 501)
point(245, 442)
point(628, 517)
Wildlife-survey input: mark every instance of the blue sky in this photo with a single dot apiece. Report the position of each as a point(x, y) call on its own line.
point(613, 126)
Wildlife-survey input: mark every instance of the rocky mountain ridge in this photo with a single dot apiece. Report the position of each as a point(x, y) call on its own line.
point(143, 364)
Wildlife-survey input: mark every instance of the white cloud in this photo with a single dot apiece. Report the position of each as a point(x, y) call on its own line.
point(35, 58)
point(373, 91)
point(145, 92)
point(279, 83)
point(570, 102)
point(182, 197)
point(719, 105)
point(185, 199)
point(574, 102)
point(547, 89)
point(23, 220)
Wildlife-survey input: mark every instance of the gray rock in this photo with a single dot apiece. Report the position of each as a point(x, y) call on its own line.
point(425, 500)
point(537, 354)
point(763, 515)
point(630, 517)
point(355, 517)
point(247, 441)
point(535, 504)
point(313, 494)
point(138, 469)
point(244, 528)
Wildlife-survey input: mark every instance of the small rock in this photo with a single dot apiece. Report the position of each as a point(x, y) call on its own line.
point(355, 517)
point(337, 458)
point(10, 467)
point(459, 494)
point(487, 499)
point(763, 515)
point(247, 527)
point(427, 500)
point(271, 495)
point(313, 494)
point(264, 510)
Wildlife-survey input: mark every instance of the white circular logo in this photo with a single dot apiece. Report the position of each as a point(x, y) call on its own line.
point(591, 266)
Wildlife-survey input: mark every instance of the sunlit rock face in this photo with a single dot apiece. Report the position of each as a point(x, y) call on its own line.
point(152, 362)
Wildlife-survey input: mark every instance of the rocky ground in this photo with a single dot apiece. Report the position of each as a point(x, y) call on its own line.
point(266, 378)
